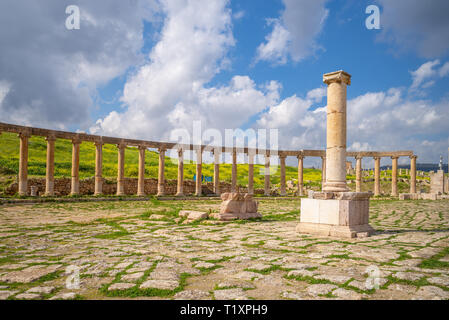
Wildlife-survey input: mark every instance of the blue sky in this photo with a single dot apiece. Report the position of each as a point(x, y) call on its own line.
point(146, 68)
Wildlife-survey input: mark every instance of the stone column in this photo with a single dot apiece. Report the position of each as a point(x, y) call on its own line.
point(267, 174)
point(300, 175)
point(250, 172)
point(234, 171)
point(376, 176)
point(98, 168)
point(413, 174)
point(50, 167)
point(217, 154)
point(75, 167)
point(121, 169)
point(394, 176)
point(161, 171)
point(23, 163)
point(283, 189)
point(358, 174)
point(323, 172)
point(180, 188)
point(141, 178)
point(336, 131)
point(199, 165)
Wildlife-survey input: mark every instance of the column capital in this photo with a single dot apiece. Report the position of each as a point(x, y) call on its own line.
point(413, 157)
point(180, 152)
point(300, 156)
point(24, 134)
point(376, 158)
point(121, 145)
point(337, 76)
point(50, 138)
point(323, 157)
point(394, 157)
point(142, 148)
point(99, 143)
point(76, 140)
point(161, 149)
point(282, 156)
point(357, 157)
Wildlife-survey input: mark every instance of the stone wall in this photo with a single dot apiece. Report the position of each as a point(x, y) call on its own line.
point(437, 181)
point(87, 187)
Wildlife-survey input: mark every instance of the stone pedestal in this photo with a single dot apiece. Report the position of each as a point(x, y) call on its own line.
point(237, 206)
point(342, 214)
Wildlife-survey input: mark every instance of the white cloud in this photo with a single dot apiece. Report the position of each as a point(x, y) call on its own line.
point(424, 72)
point(294, 32)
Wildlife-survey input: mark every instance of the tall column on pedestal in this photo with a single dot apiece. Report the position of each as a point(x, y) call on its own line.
point(336, 131)
point(23, 163)
point(121, 169)
point(234, 171)
point(141, 177)
point(376, 176)
point(282, 161)
point(199, 164)
point(217, 155)
point(267, 174)
point(50, 167)
point(323, 172)
point(180, 188)
point(358, 174)
point(394, 176)
point(413, 174)
point(300, 175)
point(98, 168)
point(250, 172)
point(161, 171)
point(75, 190)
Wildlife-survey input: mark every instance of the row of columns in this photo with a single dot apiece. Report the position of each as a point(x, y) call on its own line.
point(49, 190)
point(394, 174)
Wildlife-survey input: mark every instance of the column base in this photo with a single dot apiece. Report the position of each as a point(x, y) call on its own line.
point(335, 187)
point(344, 214)
point(179, 194)
point(141, 194)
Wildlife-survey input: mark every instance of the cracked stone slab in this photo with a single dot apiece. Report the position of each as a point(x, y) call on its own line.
point(29, 274)
point(120, 286)
point(64, 296)
point(230, 294)
point(346, 294)
point(6, 294)
point(132, 276)
point(28, 296)
point(320, 289)
point(160, 284)
point(410, 276)
point(41, 290)
point(192, 295)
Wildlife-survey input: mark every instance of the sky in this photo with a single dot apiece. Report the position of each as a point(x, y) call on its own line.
point(151, 69)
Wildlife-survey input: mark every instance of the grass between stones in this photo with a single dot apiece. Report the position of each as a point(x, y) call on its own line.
point(434, 261)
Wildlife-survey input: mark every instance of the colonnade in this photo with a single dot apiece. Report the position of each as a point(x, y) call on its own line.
point(25, 133)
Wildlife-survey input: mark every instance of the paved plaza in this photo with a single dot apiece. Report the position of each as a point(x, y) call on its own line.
point(142, 250)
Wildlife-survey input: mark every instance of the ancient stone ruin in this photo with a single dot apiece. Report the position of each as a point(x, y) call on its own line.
point(335, 211)
point(237, 206)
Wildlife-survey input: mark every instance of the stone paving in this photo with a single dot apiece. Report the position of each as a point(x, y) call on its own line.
point(143, 250)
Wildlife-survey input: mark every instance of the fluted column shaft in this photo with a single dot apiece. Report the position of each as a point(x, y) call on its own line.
point(251, 173)
point(358, 174)
point(336, 131)
point(23, 163)
point(180, 187)
point(50, 167)
point(98, 168)
point(300, 175)
point(141, 178)
point(161, 172)
point(217, 154)
point(267, 175)
point(199, 165)
point(234, 171)
point(121, 169)
point(376, 176)
point(75, 188)
point(283, 188)
point(394, 176)
point(413, 174)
